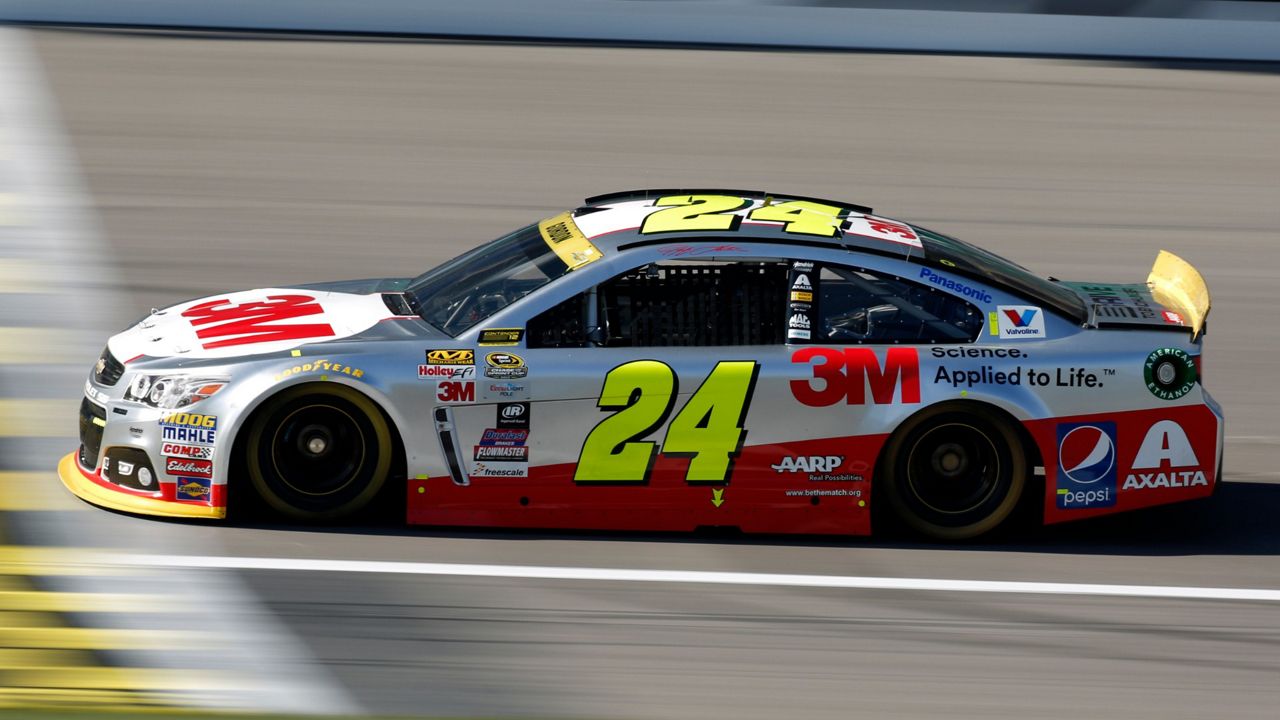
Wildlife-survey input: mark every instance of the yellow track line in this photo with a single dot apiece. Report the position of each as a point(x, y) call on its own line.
point(24, 491)
point(65, 602)
point(10, 213)
point(23, 276)
point(55, 562)
point(76, 638)
point(39, 346)
point(39, 418)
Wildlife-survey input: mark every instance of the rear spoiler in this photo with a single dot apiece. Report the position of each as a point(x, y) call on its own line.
point(1177, 285)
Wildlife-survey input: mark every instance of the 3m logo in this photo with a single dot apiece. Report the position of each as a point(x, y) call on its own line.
point(256, 322)
point(456, 391)
point(846, 374)
point(1020, 319)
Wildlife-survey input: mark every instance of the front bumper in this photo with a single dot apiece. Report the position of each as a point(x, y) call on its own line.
point(92, 488)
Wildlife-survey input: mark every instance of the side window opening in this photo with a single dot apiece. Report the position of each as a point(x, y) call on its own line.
point(859, 306)
point(675, 303)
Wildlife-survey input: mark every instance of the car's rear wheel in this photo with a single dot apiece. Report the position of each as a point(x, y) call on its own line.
point(954, 472)
point(318, 451)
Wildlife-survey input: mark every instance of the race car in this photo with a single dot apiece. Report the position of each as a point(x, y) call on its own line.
point(668, 360)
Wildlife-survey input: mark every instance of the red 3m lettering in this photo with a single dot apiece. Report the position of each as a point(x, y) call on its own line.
point(456, 391)
point(846, 374)
point(248, 323)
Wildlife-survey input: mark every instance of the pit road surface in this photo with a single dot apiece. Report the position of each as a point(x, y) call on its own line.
point(219, 163)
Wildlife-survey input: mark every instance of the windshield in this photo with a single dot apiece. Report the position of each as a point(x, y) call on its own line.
point(986, 265)
point(472, 287)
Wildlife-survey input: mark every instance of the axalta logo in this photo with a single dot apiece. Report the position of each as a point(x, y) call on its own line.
point(802, 282)
point(1016, 322)
point(846, 374)
point(1164, 450)
point(1086, 465)
point(808, 463)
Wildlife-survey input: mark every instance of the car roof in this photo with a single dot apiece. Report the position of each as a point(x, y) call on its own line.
point(614, 221)
point(620, 221)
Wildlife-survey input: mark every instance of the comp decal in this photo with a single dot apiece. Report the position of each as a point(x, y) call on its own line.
point(640, 395)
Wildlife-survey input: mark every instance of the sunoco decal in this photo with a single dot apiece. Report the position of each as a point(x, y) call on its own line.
point(191, 489)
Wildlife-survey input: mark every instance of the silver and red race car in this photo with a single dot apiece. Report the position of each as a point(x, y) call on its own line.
point(669, 360)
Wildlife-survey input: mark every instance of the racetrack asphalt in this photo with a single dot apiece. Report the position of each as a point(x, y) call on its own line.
point(219, 162)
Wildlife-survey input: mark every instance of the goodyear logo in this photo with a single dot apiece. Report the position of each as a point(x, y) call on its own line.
point(451, 357)
point(322, 365)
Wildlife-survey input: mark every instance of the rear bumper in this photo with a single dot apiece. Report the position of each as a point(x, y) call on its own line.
point(90, 487)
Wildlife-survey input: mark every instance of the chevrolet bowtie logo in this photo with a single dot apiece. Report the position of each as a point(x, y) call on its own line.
point(102, 365)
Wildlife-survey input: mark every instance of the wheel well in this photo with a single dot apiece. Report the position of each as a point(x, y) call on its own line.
point(392, 496)
point(1032, 497)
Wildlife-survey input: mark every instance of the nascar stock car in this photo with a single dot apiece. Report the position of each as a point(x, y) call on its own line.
point(667, 360)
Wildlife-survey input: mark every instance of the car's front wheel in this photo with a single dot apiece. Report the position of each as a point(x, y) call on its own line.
point(318, 451)
point(954, 472)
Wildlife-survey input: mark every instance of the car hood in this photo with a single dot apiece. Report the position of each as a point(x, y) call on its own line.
point(250, 322)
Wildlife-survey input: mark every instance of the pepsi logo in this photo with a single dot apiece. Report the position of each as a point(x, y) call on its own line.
point(1087, 454)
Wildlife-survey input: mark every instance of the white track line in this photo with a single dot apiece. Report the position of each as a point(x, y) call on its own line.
point(275, 671)
point(535, 572)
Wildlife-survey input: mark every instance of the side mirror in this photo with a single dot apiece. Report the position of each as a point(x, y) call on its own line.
point(879, 314)
point(598, 336)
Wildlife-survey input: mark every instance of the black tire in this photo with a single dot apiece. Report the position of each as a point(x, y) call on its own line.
point(318, 451)
point(954, 472)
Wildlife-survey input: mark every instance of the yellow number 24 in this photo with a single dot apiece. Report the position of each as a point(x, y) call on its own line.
point(708, 429)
